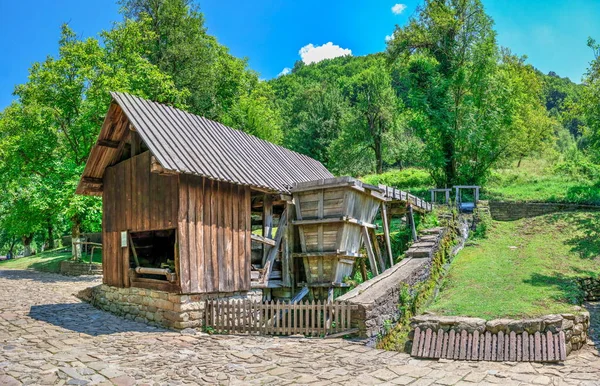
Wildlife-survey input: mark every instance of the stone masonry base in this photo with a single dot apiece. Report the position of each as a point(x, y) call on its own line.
point(159, 308)
point(77, 268)
point(575, 326)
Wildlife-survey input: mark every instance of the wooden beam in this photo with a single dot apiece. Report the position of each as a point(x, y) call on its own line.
point(156, 167)
point(92, 181)
point(263, 240)
point(267, 223)
point(412, 223)
point(274, 250)
point(377, 250)
point(386, 233)
point(108, 143)
point(370, 253)
point(288, 248)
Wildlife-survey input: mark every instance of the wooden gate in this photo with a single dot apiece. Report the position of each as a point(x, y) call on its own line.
point(279, 318)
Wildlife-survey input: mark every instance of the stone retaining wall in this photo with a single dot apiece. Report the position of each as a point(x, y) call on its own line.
point(78, 268)
point(377, 298)
point(509, 211)
point(574, 325)
point(591, 288)
point(159, 308)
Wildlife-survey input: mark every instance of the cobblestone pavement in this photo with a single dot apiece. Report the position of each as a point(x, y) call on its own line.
point(47, 336)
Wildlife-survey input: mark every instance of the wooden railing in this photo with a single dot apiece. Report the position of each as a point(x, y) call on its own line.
point(279, 318)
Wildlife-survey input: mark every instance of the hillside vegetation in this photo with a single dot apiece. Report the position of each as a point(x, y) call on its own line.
point(524, 268)
point(444, 103)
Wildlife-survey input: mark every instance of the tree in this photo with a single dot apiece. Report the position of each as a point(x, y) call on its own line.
point(376, 109)
point(50, 130)
point(447, 58)
point(590, 103)
point(531, 127)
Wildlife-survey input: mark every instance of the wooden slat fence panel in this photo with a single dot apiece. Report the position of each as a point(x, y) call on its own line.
point(463, 345)
point(278, 318)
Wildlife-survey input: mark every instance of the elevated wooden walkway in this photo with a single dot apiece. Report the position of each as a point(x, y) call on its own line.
point(393, 194)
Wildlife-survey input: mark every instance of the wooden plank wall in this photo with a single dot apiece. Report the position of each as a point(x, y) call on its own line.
point(134, 199)
point(214, 235)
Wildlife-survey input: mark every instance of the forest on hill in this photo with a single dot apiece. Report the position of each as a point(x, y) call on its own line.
point(443, 97)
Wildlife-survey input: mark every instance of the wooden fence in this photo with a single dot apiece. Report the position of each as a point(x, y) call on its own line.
point(279, 318)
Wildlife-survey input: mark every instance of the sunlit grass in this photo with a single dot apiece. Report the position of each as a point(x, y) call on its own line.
point(46, 261)
point(524, 268)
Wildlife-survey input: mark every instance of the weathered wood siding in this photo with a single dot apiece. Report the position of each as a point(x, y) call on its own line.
point(214, 235)
point(134, 199)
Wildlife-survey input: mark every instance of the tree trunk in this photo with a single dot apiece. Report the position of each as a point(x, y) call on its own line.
point(50, 241)
point(75, 233)
point(378, 155)
point(519, 163)
point(27, 239)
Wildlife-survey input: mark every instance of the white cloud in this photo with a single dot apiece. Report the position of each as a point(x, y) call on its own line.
point(285, 71)
point(314, 54)
point(397, 9)
point(389, 37)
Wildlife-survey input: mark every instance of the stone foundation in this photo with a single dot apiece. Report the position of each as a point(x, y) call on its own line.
point(574, 325)
point(510, 211)
point(77, 268)
point(159, 308)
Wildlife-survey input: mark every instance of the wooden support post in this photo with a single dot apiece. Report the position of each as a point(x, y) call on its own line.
point(370, 253)
point(136, 143)
point(274, 250)
point(447, 196)
point(288, 248)
point(386, 233)
point(412, 223)
point(377, 250)
point(432, 195)
point(267, 224)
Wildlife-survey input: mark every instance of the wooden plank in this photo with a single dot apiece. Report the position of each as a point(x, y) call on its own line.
point(190, 227)
point(562, 349)
point(182, 236)
point(235, 242)
point(438, 344)
point(199, 230)
point(482, 345)
point(488, 346)
point(457, 347)
point(370, 253)
point(475, 346)
point(544, 348)
point(208, 226)
point(501, 346)
point(525, 346)
point(228, 237)
point(550, 345)
point(445, 339)
point(537, 346)
point(462, 355)
point(222, 259)
point(427, 344)
point(386, 233)
point(513, 346)
point(451, 343)
point(506, 346)
point(469, 346)
point(422, 343)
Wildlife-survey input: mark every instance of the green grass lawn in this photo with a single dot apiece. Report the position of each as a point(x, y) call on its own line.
point(523, 268)
point(46, 261)
point(540, 181)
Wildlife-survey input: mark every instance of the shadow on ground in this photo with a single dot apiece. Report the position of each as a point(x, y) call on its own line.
point(568, 287)
point(44, 277)
point(586, 241)
point(83, 318)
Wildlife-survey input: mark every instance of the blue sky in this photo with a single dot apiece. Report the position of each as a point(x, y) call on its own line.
point(270, 33)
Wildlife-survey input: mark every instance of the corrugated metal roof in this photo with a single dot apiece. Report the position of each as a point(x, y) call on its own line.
point(187, 143)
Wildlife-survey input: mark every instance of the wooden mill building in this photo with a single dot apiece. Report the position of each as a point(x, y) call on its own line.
point(191, 206)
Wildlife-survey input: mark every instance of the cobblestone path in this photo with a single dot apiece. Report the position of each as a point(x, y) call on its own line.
point(47, 336)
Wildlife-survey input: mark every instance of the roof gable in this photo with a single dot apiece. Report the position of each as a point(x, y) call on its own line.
point(186, 143)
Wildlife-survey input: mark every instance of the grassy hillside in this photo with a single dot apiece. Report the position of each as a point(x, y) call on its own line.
point(46, 261)
point(536, 180)
point(524, 268)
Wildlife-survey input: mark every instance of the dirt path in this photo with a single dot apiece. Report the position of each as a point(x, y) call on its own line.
point(47, 336)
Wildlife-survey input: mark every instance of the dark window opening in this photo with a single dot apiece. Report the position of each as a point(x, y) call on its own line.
point(153, 249)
